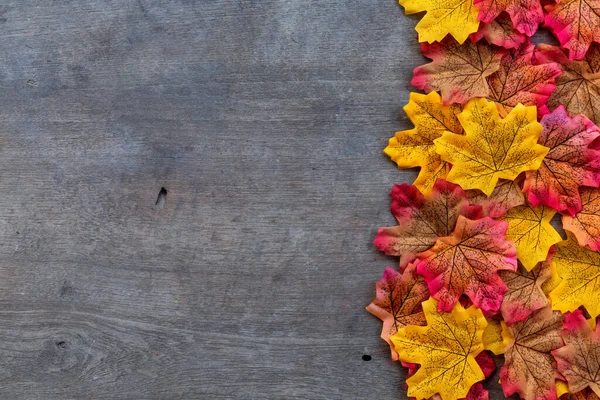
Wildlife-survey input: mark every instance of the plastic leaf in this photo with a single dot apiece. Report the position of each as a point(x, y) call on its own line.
point(519, 81)
point(500, 32)
point(525, 294)
point(505, 196)
point(570, 163)
point(529, 228)
point(492, 148)
point(446, 349)
point(398, 302)
point(468, 263)
point(586, 224)
point(415, 147)
point(579, 269)
point(458, 71)
point(575, 23)
point(578, 88)
point(579, 360)
point(455, 17)
point(493, 337)
point(421, 220)
point(529, 367)
point(526, 15)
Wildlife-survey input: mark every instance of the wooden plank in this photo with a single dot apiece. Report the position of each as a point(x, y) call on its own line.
point(264, 121)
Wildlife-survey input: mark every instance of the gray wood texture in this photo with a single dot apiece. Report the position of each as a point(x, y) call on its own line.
point(264, 120)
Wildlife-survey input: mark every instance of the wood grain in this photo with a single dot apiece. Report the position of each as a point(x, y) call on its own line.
point(264, 121)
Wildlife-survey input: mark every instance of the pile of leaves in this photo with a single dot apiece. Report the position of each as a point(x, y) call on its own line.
point(506, 141)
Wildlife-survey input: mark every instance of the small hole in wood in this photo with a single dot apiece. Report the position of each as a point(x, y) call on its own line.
point(61, 344)
point(366, 357)
point(161, 201)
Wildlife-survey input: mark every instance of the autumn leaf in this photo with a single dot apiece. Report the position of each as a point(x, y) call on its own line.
point(455, 17)
point(569, 164)
point(493, 337)
point(586, 224)
point(575, 23)
point(579, 269)
point(525, 294)
point(398, 302)
point(505, 196)
point(492, 148)
point(578, 87)
point(421, 220)
point(529, 367)
point(519, 81)
point(526, 15)
point(467, 262)
point(458, 71)
point(415, 147)
point(446, 349)
point(578, 360)
point(529, 228)
point(500, 32)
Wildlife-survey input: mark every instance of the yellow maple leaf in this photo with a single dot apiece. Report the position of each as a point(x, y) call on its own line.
point(529, 228)
point(446, 349)
point(494, 337)
point(455, 17)
point(492, 148)
point(579, 269)
point(415, 147)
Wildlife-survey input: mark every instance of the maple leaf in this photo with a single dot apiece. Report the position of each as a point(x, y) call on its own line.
point(529, 228)
point(506, 195)
point(529, 367)
point(493, 337)
point(578, 87)
point(519, 81)
point(526, 15)
point(467, 263)
point(578, 360)
point(500, 32)
point(455, 17)
point(579, 269)
point(398, 302)
point(575, 23)
point(525, 294)
point(458, 71)
point(415, 147)
point(492, 148)
point(570, 163)
point(586, 224)
point(446, 349)
point(422, 219)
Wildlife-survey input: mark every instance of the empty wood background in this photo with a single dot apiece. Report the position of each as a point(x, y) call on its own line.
point(264, 121)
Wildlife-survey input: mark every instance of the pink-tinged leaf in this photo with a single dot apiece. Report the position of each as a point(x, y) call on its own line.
point(500, 32)
point(458, 71)
point(525, 294)
point(578, 360)
point(520, 81)
point(468, 263)
point(421, 220)
point(398, 302)
point(526, 15)
point(586, 224)
point(505, 196)
point(569, 164)
point(575, 23)
point(486, 362)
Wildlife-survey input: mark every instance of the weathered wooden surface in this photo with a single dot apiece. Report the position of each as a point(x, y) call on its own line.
point(264, 120)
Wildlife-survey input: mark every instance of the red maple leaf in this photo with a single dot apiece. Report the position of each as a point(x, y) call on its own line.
point(526, 15)
point(421, 220)
point(569, 164)
point(500, 32)
point(467, 262)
